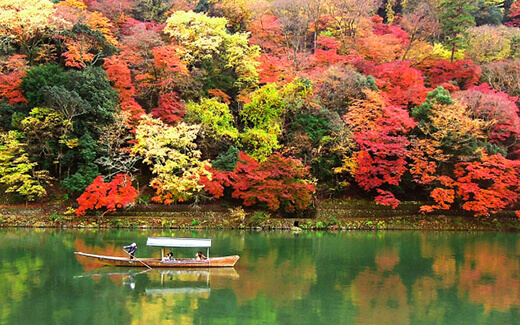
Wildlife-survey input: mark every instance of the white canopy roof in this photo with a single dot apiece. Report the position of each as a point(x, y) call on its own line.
point(178, 242)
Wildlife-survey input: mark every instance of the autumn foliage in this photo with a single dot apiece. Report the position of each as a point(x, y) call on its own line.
point(112, 195)
point(461, 74)
point(403, 85)
point(387, 100)
point(379, 133)
point(12, 72)
point(279, 183)
point(484, 186)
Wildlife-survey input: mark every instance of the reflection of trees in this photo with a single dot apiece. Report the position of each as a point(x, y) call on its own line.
point(36, 268)
point(163, 309)
point(380, 296)
point(314, 278)
point(480, 273)
point(380, 299)
point(489, 277)
point(444, 264)
point(387, 259)
point(18, 277)
point(426, 306)
point(281, 281)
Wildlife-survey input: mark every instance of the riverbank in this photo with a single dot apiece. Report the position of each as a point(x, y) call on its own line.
point(328, 215)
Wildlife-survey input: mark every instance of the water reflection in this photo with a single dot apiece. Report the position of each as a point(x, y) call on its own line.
point(311, 278)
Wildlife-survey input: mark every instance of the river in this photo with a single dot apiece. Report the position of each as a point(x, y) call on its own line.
point(385, 277)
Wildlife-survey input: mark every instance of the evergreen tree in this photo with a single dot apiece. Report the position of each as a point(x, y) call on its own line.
point(455, 18)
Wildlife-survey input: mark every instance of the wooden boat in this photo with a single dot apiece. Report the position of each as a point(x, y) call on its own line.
point(165, 261)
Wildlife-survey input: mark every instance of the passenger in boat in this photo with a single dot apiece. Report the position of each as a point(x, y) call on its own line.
point(131, 250)
point(168, 258)
point(199, 256)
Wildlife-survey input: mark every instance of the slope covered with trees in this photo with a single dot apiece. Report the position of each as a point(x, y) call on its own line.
point(267, 103)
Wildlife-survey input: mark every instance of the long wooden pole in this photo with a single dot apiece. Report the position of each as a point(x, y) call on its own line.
point(138, 260)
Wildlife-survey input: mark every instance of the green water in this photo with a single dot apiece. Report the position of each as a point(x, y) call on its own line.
point(281, 278)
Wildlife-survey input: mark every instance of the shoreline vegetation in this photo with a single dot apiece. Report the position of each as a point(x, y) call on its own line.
point(330, 215)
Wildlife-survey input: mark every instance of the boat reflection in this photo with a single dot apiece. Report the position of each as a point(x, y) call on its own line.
point(196, 282)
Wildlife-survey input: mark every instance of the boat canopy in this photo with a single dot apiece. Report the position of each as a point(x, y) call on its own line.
point(178, 242)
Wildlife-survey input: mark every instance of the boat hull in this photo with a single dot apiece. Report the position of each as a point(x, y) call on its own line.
point(225, 261)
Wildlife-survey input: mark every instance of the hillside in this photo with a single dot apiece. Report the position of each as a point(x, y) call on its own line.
point(270, 105)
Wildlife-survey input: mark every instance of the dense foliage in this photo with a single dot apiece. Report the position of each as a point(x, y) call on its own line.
point(271, 104)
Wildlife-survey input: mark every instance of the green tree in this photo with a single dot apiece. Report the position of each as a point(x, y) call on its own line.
point(262, 117)
point(455, 18)
point(81, 170)
point(37, 78)
point(226, 162)
point(83, 98)
point(214, 117)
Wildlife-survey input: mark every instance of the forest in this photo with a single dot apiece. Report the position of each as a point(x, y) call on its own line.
point(272, 104)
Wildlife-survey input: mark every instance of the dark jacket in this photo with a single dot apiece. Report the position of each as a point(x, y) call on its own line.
point(131, 249)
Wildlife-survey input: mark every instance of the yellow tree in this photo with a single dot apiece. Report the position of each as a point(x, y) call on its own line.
point(492, 43)
point(17, 172)
point(448, 135)
point(87, 35)
point(174, 158)
point(26, 23)
point(227, 60)
point(347, 14)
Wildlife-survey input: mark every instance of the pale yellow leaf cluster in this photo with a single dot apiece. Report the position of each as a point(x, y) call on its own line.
point(23, 19)
point(452, 123)
point(17, 172)
point(206, 38)
point(173, 155)
point(200, 34)
point(492, 43)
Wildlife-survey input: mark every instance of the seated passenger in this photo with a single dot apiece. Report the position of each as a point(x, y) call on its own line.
point(168, 257)
point(199, 256)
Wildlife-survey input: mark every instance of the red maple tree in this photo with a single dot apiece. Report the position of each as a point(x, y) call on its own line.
point(514, 15)
point(278, 182)
point(11, 73)
point(119, 74)
point(460, 74)
point(403, 85)
point(112, 195)
point(171, 109)
point(380, 134)
point(485, 186)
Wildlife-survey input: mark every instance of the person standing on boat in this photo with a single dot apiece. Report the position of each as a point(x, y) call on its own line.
point(131, 250)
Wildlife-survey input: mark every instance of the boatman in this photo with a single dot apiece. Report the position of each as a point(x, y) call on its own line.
point(131, 250)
